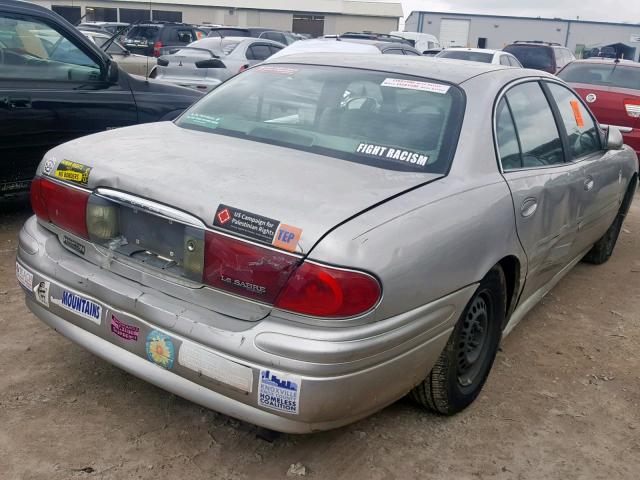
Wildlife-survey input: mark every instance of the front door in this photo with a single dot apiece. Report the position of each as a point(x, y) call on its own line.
point(51, 90)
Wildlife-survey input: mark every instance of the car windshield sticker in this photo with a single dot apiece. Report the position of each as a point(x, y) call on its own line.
point(73, 172)
point(126, 332)
point(575, 106)
point(415, 85)
point(278, 70)
point(203, 120)
point(279, 391)
point(24, 276)
point(392, 153)
point(80, 306)
point(41, 291)
point(160, 349)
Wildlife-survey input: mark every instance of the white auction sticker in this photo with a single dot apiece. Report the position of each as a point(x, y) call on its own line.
point(24, 276)
point(215, 367)
point(416, 85)
point(279, 391)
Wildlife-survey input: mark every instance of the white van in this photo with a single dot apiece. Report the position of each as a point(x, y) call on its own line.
point(423, 42)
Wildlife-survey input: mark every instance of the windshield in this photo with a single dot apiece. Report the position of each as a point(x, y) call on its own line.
point(381, 119)
point(539, 58)
point(607, 74)
point(467, 55)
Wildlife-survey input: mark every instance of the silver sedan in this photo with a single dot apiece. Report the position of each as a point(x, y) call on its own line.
point(322, 235)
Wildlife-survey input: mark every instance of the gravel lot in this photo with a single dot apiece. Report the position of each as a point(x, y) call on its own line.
point(562, 402)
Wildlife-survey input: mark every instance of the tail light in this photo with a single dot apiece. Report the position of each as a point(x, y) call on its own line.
point(163, 62)
point(323, 291)
point(157, 46)
point(62, 205)
point(633, 108)
point(243, 68)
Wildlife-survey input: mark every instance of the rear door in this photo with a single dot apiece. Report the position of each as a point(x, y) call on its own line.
point(546, 189)
point(52, 89)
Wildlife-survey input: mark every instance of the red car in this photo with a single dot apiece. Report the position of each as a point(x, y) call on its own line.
point(612, 90)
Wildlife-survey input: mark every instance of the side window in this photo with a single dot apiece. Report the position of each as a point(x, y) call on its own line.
point(393, 51)
point(258, 51)
point(411, 52)
point(514, 61)
point(504, 60)
point(507, 138)
point(31, 50)
point(274, 49)
point(539, 138)
point(583, 134)
point(185, 36)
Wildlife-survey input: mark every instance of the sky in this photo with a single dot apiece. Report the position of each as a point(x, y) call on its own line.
point(602, 10)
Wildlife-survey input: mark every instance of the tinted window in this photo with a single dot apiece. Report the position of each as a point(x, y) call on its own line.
point(466, 55)
point(32, 50)
point(609, 74)
point(146, 34)
point(584, 137)
point(536, 126)
point(507, 138)
point(275, 36)
point(387, 120)
point(393, 51)
point(532, 56)
point(274, 49)
point(504, 60)
point(183, 36)
point(258, 52)
point(228, 32)
point(411, 52)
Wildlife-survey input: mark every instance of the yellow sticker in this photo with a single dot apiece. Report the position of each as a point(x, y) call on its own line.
point(73, 172)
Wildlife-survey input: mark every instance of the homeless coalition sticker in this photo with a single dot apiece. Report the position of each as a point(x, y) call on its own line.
point(279, 391)
point(73, 172)
point(160, 349)
point(257, 227)
point(392, 153)
point(124, 331)
point(80, 305)
point(24, 276)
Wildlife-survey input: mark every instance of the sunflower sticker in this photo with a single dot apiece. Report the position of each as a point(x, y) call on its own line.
point(160, 349)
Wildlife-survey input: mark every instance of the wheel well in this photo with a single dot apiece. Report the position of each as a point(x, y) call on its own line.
point(511, 268)
point(631, 191)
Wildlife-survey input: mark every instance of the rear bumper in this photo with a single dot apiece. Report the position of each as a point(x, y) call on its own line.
point(340, 374)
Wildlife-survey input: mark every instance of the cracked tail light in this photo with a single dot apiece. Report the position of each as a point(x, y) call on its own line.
point(62, 205)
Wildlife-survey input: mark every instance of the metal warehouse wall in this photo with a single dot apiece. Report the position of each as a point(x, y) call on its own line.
point(500, 31)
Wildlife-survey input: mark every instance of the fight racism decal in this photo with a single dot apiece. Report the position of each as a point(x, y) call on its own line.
point(391, 153)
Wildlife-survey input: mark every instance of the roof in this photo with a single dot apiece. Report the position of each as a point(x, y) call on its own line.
point(609, 61)
point(477, 50)
point(442, 69)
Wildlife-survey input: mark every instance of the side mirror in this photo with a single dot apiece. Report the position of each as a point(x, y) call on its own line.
point(210, 63)
point(614, 139)
point(113, 72)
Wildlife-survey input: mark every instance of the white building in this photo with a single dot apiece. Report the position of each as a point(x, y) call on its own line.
point(495, 31)
point(316, 17)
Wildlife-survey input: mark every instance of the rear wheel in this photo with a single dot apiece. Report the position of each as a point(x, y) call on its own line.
point(463, 366)
point(603, 248)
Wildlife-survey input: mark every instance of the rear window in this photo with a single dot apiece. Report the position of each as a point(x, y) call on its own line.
point(386, 120)
point(149, 33)
point(539, 58)
point(611, 75)
point(466, 55)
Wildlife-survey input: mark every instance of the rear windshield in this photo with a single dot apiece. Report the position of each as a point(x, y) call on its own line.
point(387, 120)
point(147, 32)
point(539, 58)
point(611, 75)
point(466, 55)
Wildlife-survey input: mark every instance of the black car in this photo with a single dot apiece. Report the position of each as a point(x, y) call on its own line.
point(56, 85)
point(152, 38)
point(549, 57)
point(285, 38)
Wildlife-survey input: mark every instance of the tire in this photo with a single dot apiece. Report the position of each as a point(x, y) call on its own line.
point(603, 248)
point(462, 369)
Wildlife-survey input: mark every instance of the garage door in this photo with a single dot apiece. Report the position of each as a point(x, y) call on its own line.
point(454, 33)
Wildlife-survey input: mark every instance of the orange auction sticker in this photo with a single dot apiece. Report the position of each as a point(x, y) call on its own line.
point(577, 113)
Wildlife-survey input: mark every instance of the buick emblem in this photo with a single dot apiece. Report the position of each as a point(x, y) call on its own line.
point(591, 98)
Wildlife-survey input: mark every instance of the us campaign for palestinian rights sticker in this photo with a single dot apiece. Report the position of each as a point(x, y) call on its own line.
point(279, 391)
point(73, 172)
point(246, 223)
point(80, 305)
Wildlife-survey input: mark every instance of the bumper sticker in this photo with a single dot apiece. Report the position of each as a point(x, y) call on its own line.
point(124, 331)
point(392, 153)
point(24, 276)
point(279, 391)
point(215, 367)
point(73, 172)
point(160, 349)
point(80, 305)
point(41, 292)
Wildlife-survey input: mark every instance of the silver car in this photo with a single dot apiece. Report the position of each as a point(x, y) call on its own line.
point(322, 235)
point(206, 63)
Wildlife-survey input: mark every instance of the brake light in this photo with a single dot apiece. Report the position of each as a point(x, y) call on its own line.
point(244, 268)
point(157, 46)
point(243, 68)
point(62, 205)
point(323, 291)
point(633, 108)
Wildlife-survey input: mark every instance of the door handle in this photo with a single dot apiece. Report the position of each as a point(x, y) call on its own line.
point(589, 183)
point(528, 207)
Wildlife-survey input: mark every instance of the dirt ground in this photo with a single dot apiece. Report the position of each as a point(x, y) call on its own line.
point(562, 402)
